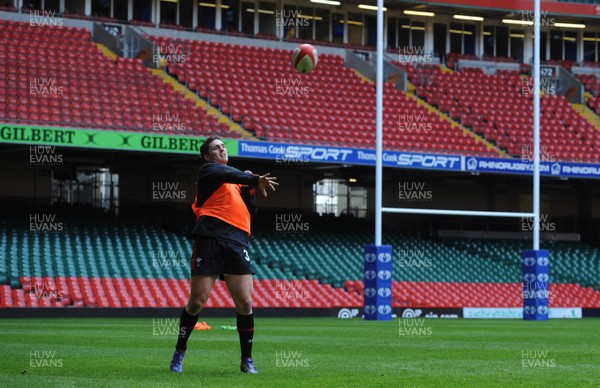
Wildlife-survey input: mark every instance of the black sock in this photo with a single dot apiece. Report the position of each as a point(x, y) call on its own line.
point(245, 328)
point(186, 326)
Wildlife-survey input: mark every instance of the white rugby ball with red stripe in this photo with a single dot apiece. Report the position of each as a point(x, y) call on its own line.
point(304, 58)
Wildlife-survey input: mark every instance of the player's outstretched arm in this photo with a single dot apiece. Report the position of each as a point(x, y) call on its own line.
point(267, 182)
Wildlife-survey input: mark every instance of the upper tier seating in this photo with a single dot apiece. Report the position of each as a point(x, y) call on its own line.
point(259, 88)
point(58, 76)
point(483, 102)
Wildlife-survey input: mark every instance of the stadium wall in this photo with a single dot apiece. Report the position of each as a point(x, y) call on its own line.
point(21, 181)
point(138, 171)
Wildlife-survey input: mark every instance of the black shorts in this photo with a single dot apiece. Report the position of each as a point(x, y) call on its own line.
point(212, 256)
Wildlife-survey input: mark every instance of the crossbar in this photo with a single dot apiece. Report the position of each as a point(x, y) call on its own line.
point(456, 212)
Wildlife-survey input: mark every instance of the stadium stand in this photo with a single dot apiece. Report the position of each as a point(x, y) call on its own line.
point(480, 101)
point(89, 85)
point(338, 103)
point(120, 84)
point(113, 264)
point(94, 84)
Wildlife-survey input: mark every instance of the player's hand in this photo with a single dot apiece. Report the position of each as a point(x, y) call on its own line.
point(267, 182)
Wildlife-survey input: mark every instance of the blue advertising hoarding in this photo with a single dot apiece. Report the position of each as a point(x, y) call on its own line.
point(303, 153)
point(326, 154)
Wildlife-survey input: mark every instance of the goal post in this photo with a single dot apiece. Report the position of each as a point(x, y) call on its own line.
point(535, 262)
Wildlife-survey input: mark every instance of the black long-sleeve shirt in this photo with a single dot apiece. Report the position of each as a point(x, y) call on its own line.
point(211, 176)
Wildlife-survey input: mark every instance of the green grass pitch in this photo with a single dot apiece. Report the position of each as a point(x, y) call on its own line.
point(303, 352)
